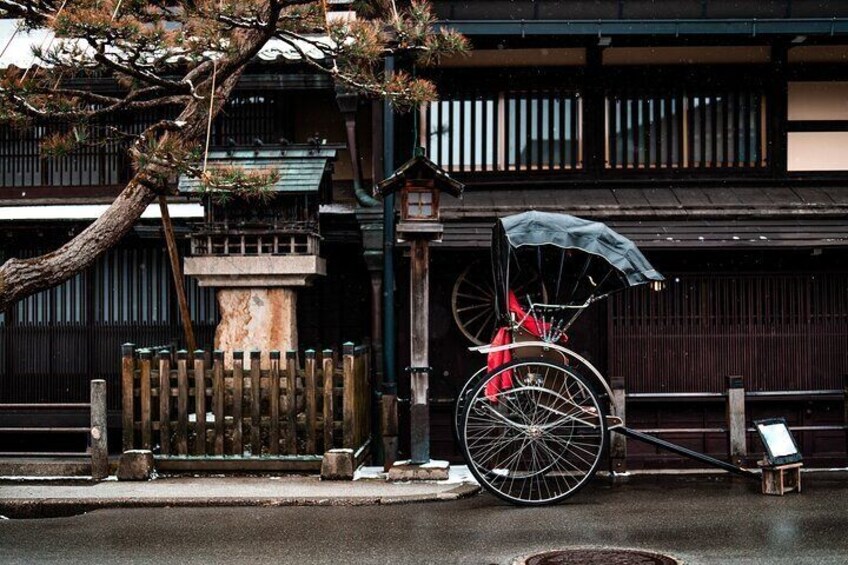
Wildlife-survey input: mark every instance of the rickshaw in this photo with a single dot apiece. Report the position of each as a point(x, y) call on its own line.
point(534, 422)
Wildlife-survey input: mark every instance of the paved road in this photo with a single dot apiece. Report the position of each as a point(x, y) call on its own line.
point(700, 520)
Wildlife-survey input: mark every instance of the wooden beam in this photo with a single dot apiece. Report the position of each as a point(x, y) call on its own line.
point(177, 273)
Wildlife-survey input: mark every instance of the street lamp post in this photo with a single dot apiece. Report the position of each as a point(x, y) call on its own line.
point(420, 183)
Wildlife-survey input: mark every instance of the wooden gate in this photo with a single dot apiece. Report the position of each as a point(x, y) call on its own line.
point(245, 417)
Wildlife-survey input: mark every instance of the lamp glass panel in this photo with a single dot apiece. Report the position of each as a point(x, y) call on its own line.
point(778, 438)
point(420, 205)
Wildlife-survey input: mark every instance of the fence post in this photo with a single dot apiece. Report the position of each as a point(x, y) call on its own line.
point(329, 368)
point(255, 403)
point(165, 401)
point(182, 402)
point(737, 441)
point(99, 444)
point(146, 357)
point(199, 402)
point(127, 414)
point(238, 399)
point(310, 368)
point(348, 395)
point(618, 442)
point(274, 393)
point(291, 402)
point(218, 399)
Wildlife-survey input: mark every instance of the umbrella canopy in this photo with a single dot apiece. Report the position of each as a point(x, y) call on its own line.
point(561, 259)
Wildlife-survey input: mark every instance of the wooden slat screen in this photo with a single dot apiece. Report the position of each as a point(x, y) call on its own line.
point(780, 332)
point(248, 116)
point(535, 130)
point(685, 130)
point(57, 340)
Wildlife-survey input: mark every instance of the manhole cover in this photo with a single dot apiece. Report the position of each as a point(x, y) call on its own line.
point(599, 557)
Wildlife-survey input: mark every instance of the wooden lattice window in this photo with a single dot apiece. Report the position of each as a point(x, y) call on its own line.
point(534, 130)
point(686, 130)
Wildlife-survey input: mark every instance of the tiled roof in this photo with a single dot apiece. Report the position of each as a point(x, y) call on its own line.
point(300, 170)
point(17, 44)
point(669, 218)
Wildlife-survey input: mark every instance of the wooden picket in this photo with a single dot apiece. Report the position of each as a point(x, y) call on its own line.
point(195, 409)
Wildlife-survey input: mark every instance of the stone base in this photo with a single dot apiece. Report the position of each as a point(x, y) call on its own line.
point(257, 318)
point(432, 471)
point(337, 465)
point(136, 465)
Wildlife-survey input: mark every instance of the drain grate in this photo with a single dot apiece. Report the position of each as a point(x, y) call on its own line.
point(586, 556)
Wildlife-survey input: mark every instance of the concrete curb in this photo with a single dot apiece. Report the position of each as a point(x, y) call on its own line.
point(31, 508)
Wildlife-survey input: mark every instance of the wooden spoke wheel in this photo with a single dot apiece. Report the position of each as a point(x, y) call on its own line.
point(473, 303)
point(473, 300)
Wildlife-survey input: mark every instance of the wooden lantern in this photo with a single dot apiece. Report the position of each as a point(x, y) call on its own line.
point(420, 183)
point(419, 201)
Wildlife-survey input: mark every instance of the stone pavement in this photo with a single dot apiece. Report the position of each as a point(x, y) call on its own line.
point(59, 496)
point(697, 519)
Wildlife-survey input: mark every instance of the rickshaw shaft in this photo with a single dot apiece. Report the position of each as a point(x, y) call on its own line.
point(679, 449)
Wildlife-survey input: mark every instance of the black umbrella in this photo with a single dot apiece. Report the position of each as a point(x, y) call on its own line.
point(568, 261)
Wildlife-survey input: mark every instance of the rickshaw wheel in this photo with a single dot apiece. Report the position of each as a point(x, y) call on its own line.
point(459, 403)
point(538, 441)
point(464, 392)
point(473, 299)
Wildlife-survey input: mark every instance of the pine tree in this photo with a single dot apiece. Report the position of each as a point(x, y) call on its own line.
point(183, 59)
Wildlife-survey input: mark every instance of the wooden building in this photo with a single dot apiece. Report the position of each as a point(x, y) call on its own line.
point(711, 132)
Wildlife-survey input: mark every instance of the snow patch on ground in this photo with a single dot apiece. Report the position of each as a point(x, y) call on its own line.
point(459, 474)
point(47, 478)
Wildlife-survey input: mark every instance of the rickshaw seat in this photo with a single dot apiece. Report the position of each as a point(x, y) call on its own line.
point(521, 335)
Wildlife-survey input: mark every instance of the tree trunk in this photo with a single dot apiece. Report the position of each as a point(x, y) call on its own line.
point(20, 278)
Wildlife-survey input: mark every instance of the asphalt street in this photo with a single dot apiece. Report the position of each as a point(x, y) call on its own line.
point(697, 519)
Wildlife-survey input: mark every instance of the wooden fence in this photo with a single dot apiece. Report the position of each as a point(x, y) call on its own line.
point(285, 417)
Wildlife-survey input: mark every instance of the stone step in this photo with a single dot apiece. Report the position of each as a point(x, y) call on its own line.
point(45, 466)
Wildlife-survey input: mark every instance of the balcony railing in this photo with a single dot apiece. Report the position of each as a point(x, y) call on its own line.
point(213, 240)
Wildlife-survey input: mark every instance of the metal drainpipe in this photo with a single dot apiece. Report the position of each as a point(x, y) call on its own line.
point(389, 411)
point(348, 102)
point(389, 347)
point(365, 200)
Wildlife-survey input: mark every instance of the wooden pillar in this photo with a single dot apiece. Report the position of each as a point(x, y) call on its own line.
point(736, 432)
point(618, 442)
point(99, 448)
point(419, 351)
